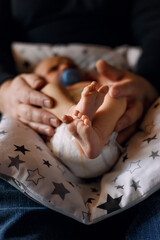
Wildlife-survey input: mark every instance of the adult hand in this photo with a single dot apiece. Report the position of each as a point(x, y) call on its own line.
point(140, 95)
point(20, 99)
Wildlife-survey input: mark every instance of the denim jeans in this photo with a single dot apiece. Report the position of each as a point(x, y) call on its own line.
point(24, 219)
point(146, 224)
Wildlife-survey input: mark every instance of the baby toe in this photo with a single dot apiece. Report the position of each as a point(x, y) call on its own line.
point(84, 117)
point(75, 113)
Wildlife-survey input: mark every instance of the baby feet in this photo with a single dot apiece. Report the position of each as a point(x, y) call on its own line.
point(79, 122)
point(91, 99)
point(89, 138)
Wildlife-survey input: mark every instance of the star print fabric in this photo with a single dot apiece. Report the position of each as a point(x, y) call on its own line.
point(28, 164)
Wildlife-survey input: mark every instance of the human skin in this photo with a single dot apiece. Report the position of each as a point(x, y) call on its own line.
point(19, 99)
point(139, 92)
point(93, 119)
point(49, 68)
point(22, 105)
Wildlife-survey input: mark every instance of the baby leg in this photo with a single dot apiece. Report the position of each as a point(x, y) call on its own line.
point(79, 123)
point(93, 130)
point(63, 103)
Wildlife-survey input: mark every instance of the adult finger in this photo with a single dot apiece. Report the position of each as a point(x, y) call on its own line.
point(132, 114)
point(33, 80)
point(124, 135)
point(25, 94)
point(32, 114)
point(34, 97)
point(109, 71)
point(126, 88)
point(40, 128)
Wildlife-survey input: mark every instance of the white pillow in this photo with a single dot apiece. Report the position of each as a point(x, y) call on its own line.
point(27, 56)
point(27, 163)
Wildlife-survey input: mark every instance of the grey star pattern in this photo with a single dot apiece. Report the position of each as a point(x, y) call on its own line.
point(119, 186)
point(154, 154)
point(71, 183)
point(3, 118)
point(38, 147)
point(60, 190)
point(125, 157)
point(115, 179)
point(47, 163)
point(89, 200)
point(112, 204)
point(133, 166)
point(15, 162)
point(34, 176)
point(135, 185)
point(148, 140)
point(21, 149)
point(3, 132)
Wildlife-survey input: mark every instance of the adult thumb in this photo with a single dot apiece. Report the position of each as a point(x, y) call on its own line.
point(107, 70)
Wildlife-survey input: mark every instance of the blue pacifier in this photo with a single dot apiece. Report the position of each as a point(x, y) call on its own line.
point(69, 77)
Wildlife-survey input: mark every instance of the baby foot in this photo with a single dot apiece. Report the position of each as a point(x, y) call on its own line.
point(88, 137)
point(91, 99)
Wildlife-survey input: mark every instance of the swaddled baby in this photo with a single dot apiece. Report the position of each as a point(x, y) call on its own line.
point(85, 141)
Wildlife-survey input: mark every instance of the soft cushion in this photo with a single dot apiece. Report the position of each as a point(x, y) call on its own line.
point(27, 163)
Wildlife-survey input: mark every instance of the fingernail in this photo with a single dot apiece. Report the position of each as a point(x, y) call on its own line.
point(47, 103)
point(54, 122)
point(38, 81)
point(47, 131)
